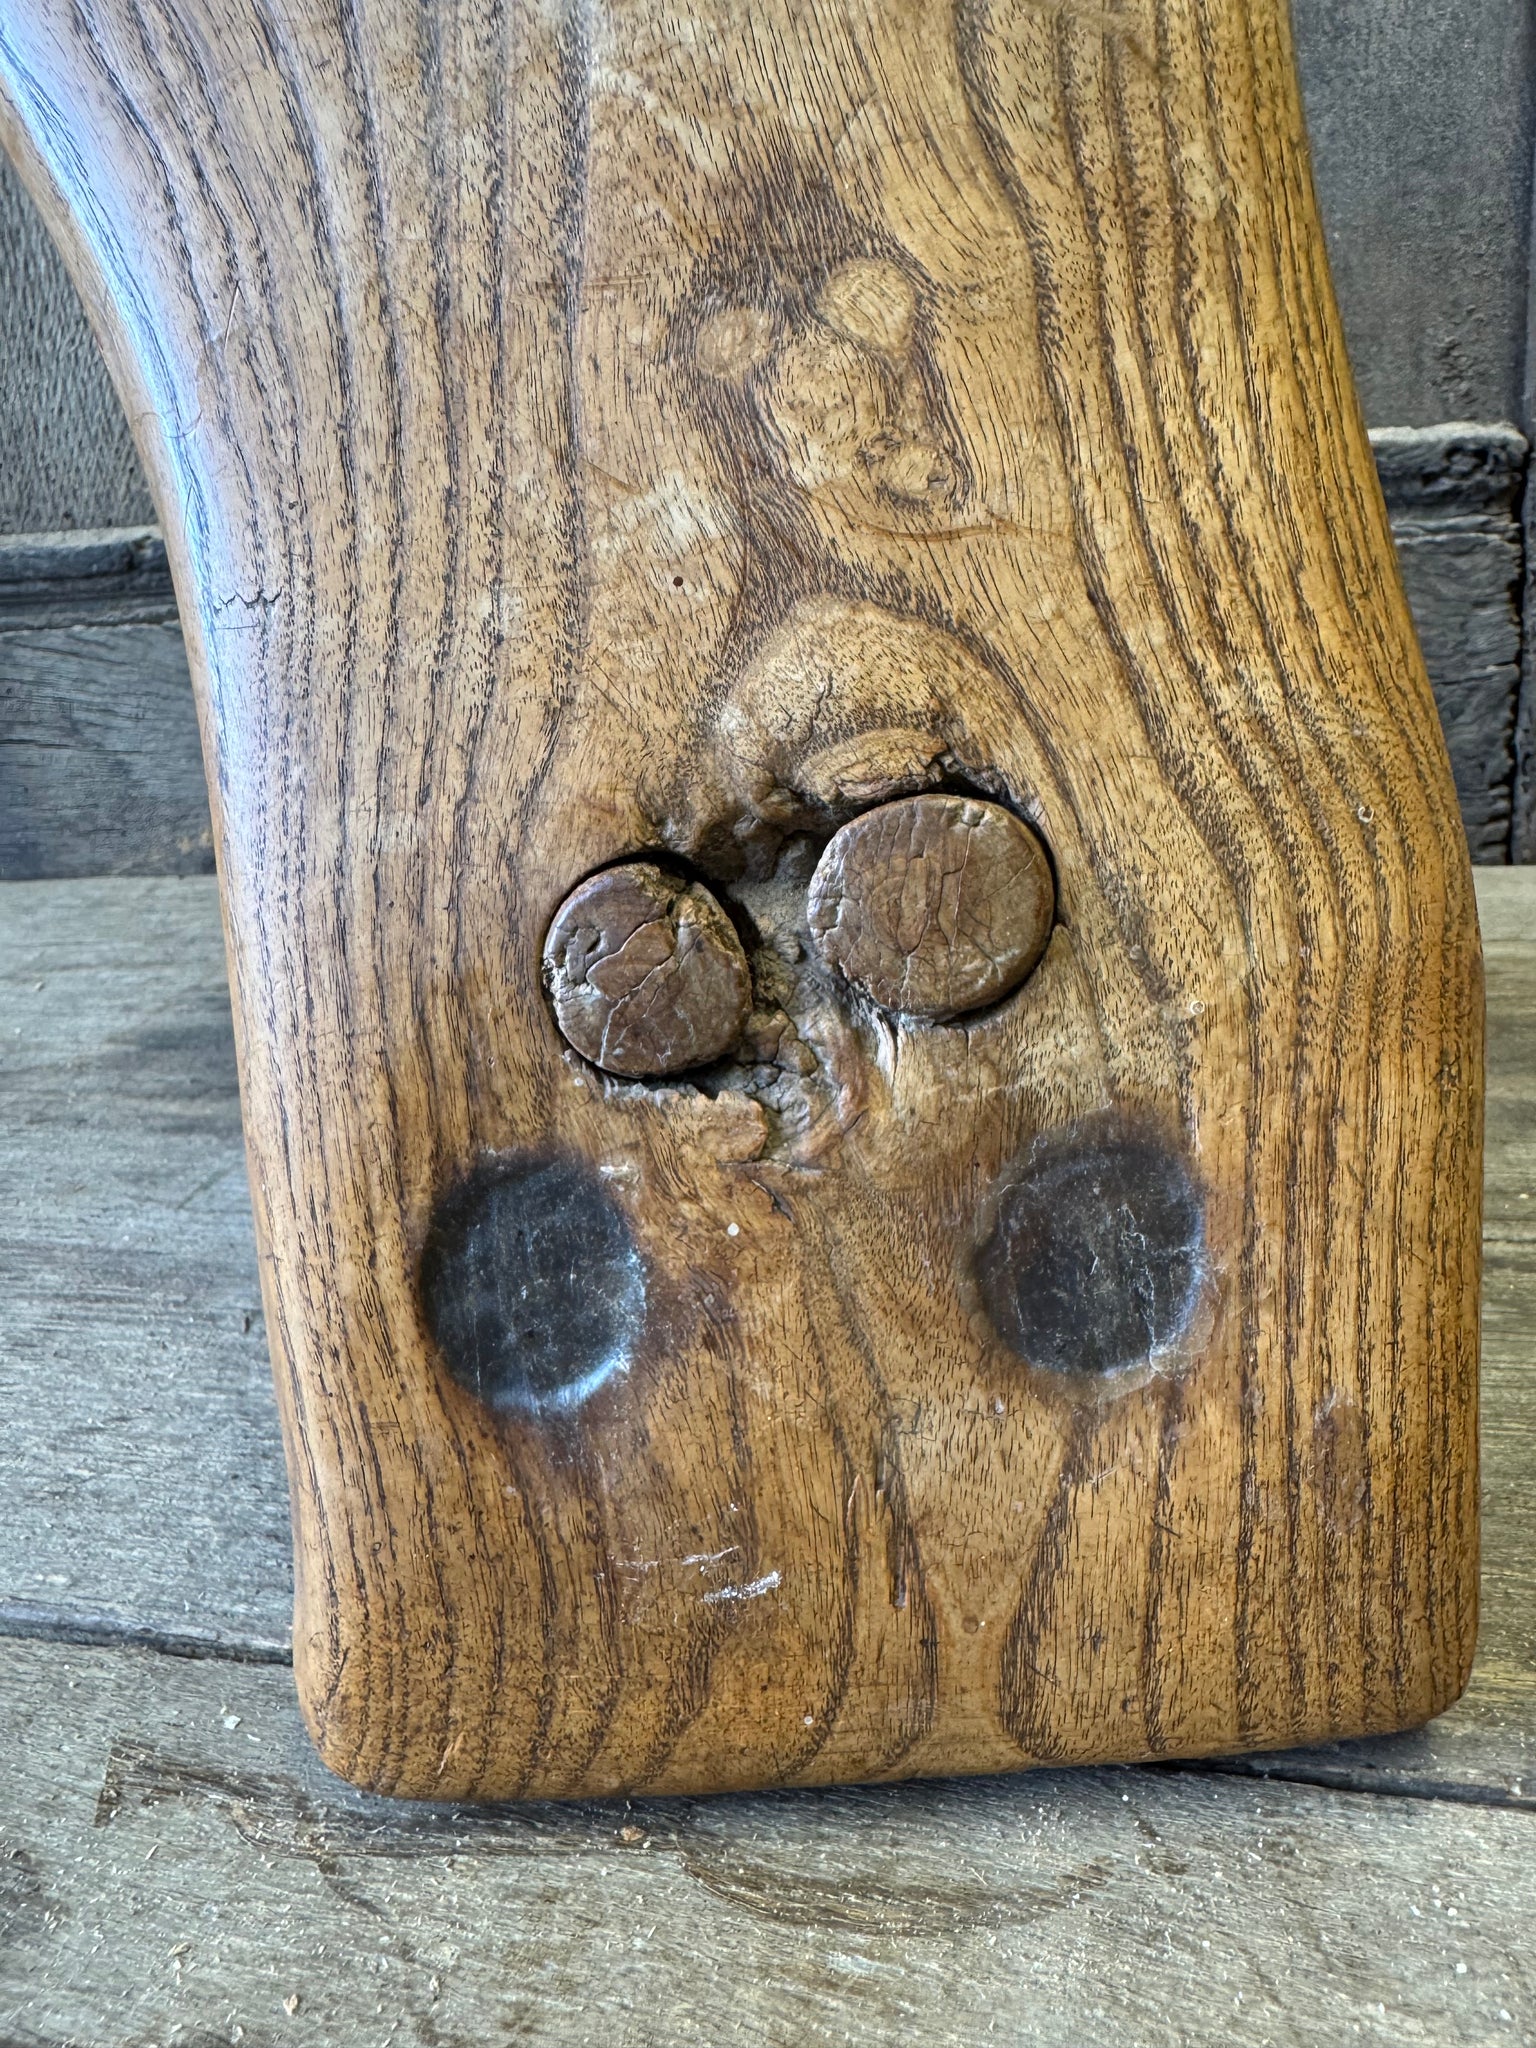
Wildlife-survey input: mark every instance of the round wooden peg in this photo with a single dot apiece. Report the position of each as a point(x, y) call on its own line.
point(646, 973)
point(934, 905)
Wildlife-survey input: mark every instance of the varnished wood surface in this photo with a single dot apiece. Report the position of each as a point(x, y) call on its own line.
point(602, 460)
point(231, 1874)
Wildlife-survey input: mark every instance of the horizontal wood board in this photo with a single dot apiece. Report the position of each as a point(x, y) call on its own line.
point(141, 1463)
point(176, 1867)
point(172, 1856)
point(1454, 496)
point(101, 770)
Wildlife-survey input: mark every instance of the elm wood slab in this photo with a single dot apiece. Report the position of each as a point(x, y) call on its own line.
point(1485, 1747)
point(177, 1866)
point(570, 450)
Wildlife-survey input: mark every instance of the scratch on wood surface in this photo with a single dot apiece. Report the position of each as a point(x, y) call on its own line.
point(753, 1591)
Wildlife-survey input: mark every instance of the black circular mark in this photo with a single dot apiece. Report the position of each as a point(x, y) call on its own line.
point(532, 1285)
point(1091, 1257)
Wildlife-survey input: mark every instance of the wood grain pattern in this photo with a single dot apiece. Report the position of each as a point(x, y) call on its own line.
point(132, 1292)
point(571, 446)
point(1452, 497)
point(919, 1910)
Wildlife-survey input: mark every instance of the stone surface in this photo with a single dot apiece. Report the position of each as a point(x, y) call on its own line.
point(1420, 118)
point(66, 455)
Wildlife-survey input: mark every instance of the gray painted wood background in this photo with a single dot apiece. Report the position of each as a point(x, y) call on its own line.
point(1422, 117)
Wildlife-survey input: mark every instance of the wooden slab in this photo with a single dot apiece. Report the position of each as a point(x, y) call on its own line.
point(177, 1866)
point(181, 1538)
point(172, 1855)
point(608, 464)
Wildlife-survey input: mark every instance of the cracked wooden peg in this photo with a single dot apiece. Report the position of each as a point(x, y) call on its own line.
point(567, 462)
point(935, 905)
point(645, 972)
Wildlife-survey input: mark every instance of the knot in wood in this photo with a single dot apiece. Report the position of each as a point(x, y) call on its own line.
point(646, 973)
point(934, 905)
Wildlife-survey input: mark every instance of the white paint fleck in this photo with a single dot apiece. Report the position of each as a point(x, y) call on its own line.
point(754, 1591)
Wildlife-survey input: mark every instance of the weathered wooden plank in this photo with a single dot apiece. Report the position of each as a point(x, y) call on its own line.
point(177, 1867)
point(139, 1462)
point(103, 576)
point(100, 767)
point(1453, 493)
point(1507, 908)
point(1420, 118)
point(124, 1351)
